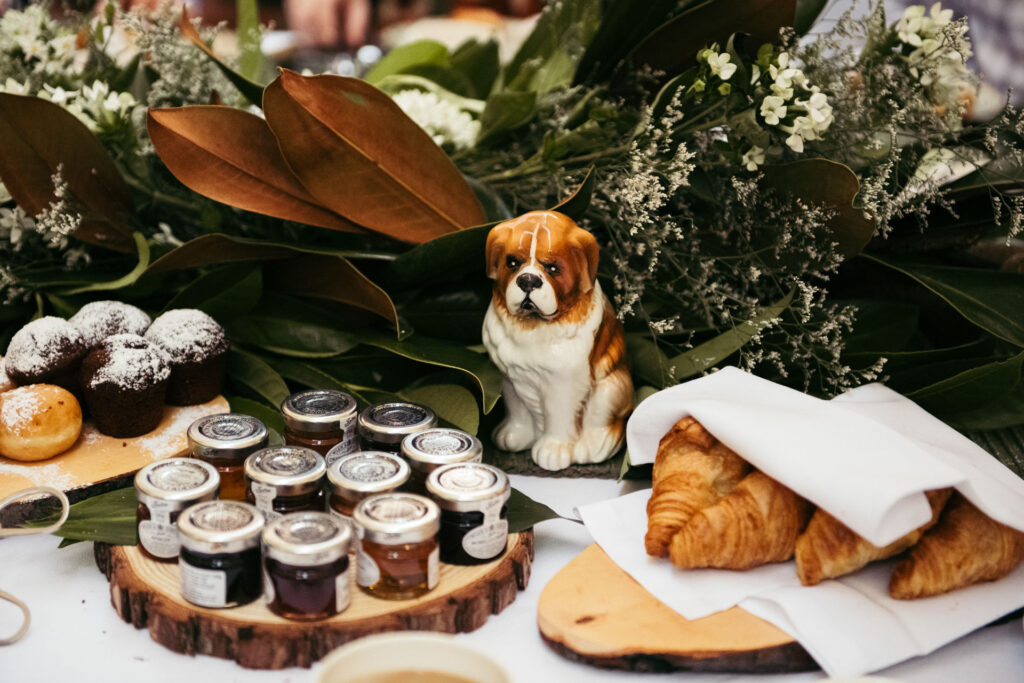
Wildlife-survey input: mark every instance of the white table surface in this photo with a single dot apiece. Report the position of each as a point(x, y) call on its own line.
point(77, 636)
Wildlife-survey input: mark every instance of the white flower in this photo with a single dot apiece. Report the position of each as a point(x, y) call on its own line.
point(721, 66)
point(755, 74)
point(773, 109)
point(753, 158)
point(795, 142)
point(443, 120)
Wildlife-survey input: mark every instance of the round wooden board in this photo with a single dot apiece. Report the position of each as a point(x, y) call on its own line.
point(594, 612)
point(146, 594)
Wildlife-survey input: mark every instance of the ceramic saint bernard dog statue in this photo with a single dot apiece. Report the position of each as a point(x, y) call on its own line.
point(554, 336)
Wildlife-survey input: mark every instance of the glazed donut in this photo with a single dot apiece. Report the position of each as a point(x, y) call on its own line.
point(38, 421)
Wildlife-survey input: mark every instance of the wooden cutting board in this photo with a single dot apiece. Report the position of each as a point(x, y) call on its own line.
point(98, 463)
point(594, 612)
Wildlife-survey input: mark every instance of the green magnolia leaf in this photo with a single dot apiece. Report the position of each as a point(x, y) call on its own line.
point(880, 326)
point(576, 204)
point(108, 518)
point(546, 58)
point(404, 57)
point(807, 12)
point(454, 312)
point(223, 292)
point(505, 111)
point(255, 374)
point(447, 257)
point(625, 24)
point(647, 360)
point(479, 62)
point(451, 403)
point(129, 278)
point(268, 416)
point(313, 376)
point(250, 90)
point(991, 299)
point(998, 414)
point(251, 63)
point(524, 512)
point(971, 388)
point(292, 328)
point(446, 354)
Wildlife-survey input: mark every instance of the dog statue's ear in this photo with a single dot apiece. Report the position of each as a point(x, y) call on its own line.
point(586, 254)
point(495, 249)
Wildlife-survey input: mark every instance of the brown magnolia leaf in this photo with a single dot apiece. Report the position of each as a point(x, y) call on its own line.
point(37, 138)
point(355, 150)
point(331, 277)
point(231, 156)
point(820, 181)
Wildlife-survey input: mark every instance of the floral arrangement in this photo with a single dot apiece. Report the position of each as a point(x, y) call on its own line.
point(819, 209)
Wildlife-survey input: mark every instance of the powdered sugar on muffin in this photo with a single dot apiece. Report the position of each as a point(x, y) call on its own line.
point(129, 361)
point(187, 335)
point(41, 347)
point(100, 319)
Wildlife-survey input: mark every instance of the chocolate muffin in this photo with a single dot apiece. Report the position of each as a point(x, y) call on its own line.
point(100, 319)
point(46, 351)
point(198, 352)
point(124, 382)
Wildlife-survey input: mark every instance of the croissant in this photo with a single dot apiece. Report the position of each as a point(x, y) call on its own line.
point(964, 548)
point(828, 548)
point(756, 524)
point(692, 470)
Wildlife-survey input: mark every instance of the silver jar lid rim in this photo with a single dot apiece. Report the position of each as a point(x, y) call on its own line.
point(307, 538)
point(226, 435)
point(220, 526)
point(390, 422)
point(181, 479)
point(468, 481)
point(441, 446)
point(393, 518)
point(285, 466)
point(318, 410)
point(367, 472)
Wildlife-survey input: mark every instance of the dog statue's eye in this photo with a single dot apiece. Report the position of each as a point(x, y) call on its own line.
point(552, 268)
point(512, 262)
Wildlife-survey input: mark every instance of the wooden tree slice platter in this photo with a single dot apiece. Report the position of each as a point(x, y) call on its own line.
point(594, 612)
point(146, 594)
point(98, 463)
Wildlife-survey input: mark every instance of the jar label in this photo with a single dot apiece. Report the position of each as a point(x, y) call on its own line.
point(489, 539)
point(157, 535)
point(348, 440)
point(264, 495)
point(268, 586)
point(342, 591)
point(367, 571)
point(203, 587)
point(434, 568)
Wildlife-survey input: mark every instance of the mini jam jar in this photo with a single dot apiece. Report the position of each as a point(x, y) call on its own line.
point(382, 426)
point(225, 441)
point(358, 475)
point(305, 566)
point(398, 557)
point(163, 490)
point(285, 479)
point(473, 498)
point(220, 553)
point(321, 419)
point(431, 448)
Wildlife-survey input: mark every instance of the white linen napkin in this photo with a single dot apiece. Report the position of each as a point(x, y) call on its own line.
point(866, 457)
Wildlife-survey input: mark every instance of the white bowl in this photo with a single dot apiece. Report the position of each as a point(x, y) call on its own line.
point(407, 651)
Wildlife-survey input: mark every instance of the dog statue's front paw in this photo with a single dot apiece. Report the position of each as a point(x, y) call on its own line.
point(514, 435)
point(552, 454)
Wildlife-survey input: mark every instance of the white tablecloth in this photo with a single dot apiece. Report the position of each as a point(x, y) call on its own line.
point(76, 636)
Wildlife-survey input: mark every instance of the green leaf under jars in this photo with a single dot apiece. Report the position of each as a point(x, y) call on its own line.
point(525, 513)
point(109, 518)
point(254, 373)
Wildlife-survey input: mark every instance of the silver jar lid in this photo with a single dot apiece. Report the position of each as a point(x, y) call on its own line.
point(388, 423)
point(220, 526)
point(463, 487)
point(177, 479)
point(355, 475)
point(307, 539)
point(228, 436)
point(294, 470)
point(431, 448)
point(318, 410)
point(396, 518)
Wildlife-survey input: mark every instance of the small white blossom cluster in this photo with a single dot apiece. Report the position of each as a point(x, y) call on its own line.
point(58, 221)
point(937, 49)
point(793, 106)
point(444, 121)
point(35, 46)
point(96, 105)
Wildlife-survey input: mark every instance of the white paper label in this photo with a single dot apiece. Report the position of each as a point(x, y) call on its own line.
point(264, 495)
point(342, 591)
point(489, 539)
point(203, 587)
point(367, 571)
point(434, 568)
point(348, 441)
point(157, 535)
point(268, 586)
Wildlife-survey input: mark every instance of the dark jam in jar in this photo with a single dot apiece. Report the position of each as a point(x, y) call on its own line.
point(431, 448)
point(284, 479)
point(163, 490)
point(320, 419)
point(382, 426)
point(225, 441)
point(306, 565)
point(474, 511)
point(220, 554)
point(359, 475)
point(398, 557)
